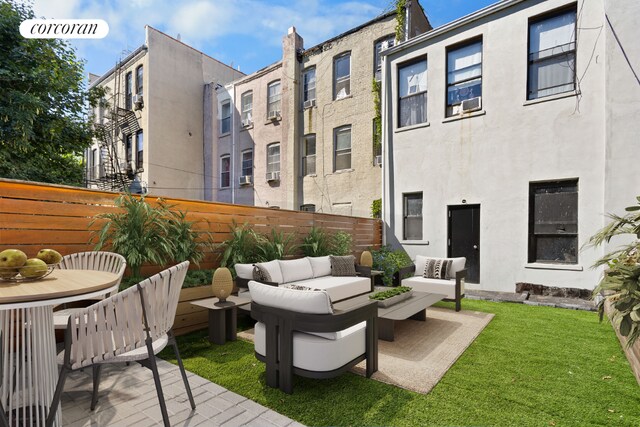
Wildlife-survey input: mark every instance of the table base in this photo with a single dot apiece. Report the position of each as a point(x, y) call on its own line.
point(386, 327)
point(223, 325)
point(28, 360)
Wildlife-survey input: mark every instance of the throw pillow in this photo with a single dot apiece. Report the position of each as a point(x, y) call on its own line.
point(436, 268)
point(260, 274)
point(343, 265)
point(300, 287)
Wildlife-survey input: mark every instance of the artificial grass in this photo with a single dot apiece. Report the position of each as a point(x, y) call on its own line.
point(530, 366)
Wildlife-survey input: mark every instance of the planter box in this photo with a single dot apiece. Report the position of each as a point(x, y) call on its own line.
point(189, 317)
point(395, 299)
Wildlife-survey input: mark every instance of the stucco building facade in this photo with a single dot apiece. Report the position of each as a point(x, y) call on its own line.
point(507, 136)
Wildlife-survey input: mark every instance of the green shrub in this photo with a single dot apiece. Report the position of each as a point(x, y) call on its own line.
point(376, 208)
point(383, 295)
point(389, 261)
point(316, 243)
point(277, 245)
point(341, 243)
point(240, 248)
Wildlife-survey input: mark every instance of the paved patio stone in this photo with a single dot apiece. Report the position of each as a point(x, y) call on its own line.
point(128, 398)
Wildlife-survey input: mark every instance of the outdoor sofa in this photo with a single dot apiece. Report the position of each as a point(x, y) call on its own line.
point(420, 277)
point(309, 272)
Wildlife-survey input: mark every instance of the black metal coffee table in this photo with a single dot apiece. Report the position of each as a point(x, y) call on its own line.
point(411, 308)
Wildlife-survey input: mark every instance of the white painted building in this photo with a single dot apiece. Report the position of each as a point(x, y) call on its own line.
point(509, 134)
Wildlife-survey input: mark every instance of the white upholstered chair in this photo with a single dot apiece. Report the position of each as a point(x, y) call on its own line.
point(91, 260)
point(299, 332)
point(132, 325)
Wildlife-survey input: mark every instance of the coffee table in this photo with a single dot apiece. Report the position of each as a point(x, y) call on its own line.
point(411, 308)
point(223, 317)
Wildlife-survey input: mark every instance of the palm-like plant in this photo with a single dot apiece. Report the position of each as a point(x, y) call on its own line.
point(621, 282)
point(184, 238)
point(278, 245)
point(316, 243)
point(240, 248)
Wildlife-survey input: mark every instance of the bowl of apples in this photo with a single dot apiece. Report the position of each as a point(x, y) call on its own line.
point(15, 266)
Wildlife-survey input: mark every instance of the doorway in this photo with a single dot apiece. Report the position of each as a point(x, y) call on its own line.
point(464, 238)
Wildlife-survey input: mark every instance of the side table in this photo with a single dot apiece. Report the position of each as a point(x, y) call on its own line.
point(223, 317)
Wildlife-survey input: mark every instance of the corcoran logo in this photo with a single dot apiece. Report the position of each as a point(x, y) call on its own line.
point(64, 28)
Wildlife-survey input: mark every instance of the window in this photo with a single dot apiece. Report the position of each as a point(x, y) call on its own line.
point(128, 89)
point(552, 55)
point(308, 151)
point(247, 163)
point(225, 117)
point(273, 96)
point(309, 85)
point(342, 154)
point(412, 213)
point(139, 149)
point(128, 148)
point(225, 171)
point(464, 75)
point(93, 164)
point(388, 41)
point(139, 85)
point(412, 93)
point(553, 222)
point(342, 76)
point(247, 107)
point(273, 158)
point(308, 208)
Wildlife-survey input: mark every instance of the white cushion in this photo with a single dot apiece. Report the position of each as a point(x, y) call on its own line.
point(295, 269)
point(273, 268)
point(312, 302)
point(339, 287)
point(244, 271)
point(321, 265)
point(314, 353)
point(457, 264)
point(433, 286)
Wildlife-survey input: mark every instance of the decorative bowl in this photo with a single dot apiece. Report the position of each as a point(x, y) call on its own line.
point(5, 274)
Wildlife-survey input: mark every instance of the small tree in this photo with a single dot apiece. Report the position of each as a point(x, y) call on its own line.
point(621, 282)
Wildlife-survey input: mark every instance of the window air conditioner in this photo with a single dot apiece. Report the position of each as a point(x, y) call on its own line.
point(245, 180)
point(310, 103)
point(378, 161)
point(273, 115)
point(138, 102)
point(246, 123)
point(471, 104)
point(273, 176)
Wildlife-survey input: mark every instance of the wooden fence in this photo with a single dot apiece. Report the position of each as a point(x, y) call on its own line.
point(35, 216)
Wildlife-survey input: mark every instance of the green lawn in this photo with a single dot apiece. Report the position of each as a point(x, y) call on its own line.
point(536, 366)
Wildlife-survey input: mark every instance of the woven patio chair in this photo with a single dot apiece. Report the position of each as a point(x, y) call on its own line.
point(92, 260)
point(132, 325)
point(4, 422)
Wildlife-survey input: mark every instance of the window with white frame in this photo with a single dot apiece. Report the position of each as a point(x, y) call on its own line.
point(412, 213)
point(464, 75)
point(386, 43)
point(247, 163)
point(309, 85)
point(225, 171)
point(342, 76)
point(128, 90)
point(412, 93)
point(139, 149)
point(552, 55)
point(273, 157)
point(308, 152)
point(247, 108)
point(342, 148)
point(139, 81)
point(225, 117)
point(273, 99)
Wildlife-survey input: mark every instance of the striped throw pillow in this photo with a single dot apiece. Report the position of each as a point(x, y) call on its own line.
point(436, 268)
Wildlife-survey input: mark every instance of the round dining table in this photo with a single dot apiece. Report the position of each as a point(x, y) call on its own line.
point(28, 368)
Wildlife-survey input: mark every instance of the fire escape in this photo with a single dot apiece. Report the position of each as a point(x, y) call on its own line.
point(112, 171)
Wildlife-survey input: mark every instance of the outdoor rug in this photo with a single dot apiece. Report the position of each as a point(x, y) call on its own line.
point(423, 351)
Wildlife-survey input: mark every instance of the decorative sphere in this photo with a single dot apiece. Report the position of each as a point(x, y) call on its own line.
point(222, 283)
point(366, 259)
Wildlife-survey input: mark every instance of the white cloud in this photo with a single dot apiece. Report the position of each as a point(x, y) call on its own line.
point(61, 9)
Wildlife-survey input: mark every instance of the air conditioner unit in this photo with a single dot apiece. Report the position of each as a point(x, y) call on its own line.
point(246, 123)
point(384, 45)
point(273, 115)
point(310, 103)
point(273, 176)
point(138, 102)
point(378, 161)
point(245, 180)
point(471, 104)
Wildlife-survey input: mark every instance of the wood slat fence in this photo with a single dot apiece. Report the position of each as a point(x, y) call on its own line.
point(35, 216)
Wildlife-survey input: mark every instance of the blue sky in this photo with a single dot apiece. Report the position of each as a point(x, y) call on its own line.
point(244, 33)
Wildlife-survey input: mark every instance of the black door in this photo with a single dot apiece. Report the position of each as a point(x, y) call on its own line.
point(464, 238)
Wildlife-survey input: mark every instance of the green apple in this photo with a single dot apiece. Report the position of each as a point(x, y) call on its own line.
point(10, 261)
point(49, 256)
point(34, 267)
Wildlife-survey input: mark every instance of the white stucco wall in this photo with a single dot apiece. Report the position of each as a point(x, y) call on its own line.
point(490, 157)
